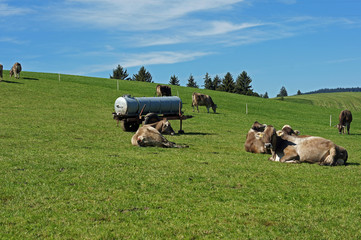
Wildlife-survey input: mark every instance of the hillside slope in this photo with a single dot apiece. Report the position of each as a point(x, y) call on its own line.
point(67, 171)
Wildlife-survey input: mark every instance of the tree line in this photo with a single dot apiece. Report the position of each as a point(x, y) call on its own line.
point(240, 85)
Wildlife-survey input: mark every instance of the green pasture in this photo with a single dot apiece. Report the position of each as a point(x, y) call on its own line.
point(68, 172)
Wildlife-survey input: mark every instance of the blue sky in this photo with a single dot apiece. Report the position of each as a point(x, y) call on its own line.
point(302, 45)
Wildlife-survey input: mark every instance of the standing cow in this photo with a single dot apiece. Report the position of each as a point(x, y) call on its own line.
point(163, 90)
point(199, 99)
point(1, 72)
point(345, 120)
point(15, 70)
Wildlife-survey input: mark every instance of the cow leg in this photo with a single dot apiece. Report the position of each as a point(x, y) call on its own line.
point(207, 109)
point(290, 155)
point(197, 108)
point(348, 129)
point(330, 158)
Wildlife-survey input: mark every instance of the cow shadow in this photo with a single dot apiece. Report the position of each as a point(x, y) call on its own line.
point(28, 78)
point(195, 133)
point(7, 81)
point(352, 164)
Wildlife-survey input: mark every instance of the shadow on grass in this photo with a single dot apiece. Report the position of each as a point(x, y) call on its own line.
point(195, 133)
point(352, 164)
point(6, 81)
point(35, 79)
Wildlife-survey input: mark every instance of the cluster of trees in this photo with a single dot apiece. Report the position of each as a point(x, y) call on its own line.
point(242, 84)
point(120, 73)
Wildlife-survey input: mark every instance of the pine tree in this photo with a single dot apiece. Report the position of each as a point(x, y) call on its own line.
point(143, 75)
point(120, 73)
point(228, 83)
point(208, 84)
point(217, 83)
point(191, 82)
point(243, 84)
point(174, 80)
point(283, 92)
point(299, 92)
point(265, 95)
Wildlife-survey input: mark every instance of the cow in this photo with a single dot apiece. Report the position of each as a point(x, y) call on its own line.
point(163, 90)
point(163, 126)
point(345, 120)
point(291, 148)
point(199, 99)
point(1, 72)
point(15, 70)
point(261, 138)
point(148, 136)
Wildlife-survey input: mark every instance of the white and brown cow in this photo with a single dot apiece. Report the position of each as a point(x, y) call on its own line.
point(261, 138)
point(163, 126)
point(199, 99)
point(148, 136)
point(297, 149)
point(345, 120)
point(15, 70)
point(1, 72)
point(163, 90)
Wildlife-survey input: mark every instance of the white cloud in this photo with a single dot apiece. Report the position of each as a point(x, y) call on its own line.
point(6, 10)
point(222, 27)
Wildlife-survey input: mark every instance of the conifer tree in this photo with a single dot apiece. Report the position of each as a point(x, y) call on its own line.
point(120, 73)
point(174, 80)
point(191, 82)
point(208, 84)
point(143, 75)
point(228, 83)
point(283, 92)
point(217, 83)
point(243, 84)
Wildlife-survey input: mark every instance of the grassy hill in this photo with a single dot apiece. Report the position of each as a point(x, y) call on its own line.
point(67, 171)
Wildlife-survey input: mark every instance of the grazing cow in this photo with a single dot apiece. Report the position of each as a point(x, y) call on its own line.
point(345, 120)
point(15, 70)
point(310, 149)
point(163, 90)
point(1, 72)
point(199, 99)
point(163, 127)
point(148, 136)
point(261, 138)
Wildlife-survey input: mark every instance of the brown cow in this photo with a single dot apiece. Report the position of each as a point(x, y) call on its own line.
point(148, 136)
point(345, 120)
point(199, 99)
point(261, 138)
point(163, 127)
point(15, 70)
point(163, 90)
point(298, 149)
point(1, 72)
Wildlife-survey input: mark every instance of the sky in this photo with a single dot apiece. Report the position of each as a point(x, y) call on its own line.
point(302, 45)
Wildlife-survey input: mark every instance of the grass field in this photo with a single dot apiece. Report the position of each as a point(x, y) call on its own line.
point(67, 171)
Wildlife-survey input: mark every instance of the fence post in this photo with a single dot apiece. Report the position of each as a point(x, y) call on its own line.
point(117, 85)
point(59, 77)
point(246, 108)
point(330, 120)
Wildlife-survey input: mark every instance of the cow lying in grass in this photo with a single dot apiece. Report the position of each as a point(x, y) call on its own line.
point(292, 148)
point(163, 127)
point(261, 138)
point(148, 136)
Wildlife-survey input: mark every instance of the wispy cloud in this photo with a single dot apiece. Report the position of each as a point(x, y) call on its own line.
point(6, 10)
point(223, 27)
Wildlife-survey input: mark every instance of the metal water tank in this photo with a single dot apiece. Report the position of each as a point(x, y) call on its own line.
point(131, 106)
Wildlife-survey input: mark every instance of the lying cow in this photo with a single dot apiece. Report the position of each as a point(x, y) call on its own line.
point(345, 120)
point(15, 70)
point(261, 138)
point(163, 127)
point(297, 149)
point(199, 99)
point(163, 90)
point(148, 136)
point(1, 72)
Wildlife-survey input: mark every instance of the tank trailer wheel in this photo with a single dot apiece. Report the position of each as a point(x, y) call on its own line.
point(129, 126)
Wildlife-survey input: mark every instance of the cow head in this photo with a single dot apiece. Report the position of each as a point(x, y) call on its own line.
point(167, 128)
point(261, 141)
point(341, 156)
point(11, 72)
point(287, 129)
point(214, 107)
point(341, 128)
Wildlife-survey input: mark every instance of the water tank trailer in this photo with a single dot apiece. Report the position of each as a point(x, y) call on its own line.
point(132, 111)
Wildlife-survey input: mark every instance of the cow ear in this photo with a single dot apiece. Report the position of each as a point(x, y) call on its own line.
point(297, 132)
point(279, 133)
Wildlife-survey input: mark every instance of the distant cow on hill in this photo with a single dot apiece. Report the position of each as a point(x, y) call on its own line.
point(345, 120)
point(1, 72)
point(148, 136)
point(15, 70)
point(199, 99)
point(297, 149)
point(163, 90)
point(261, 138)
point(163, 127)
